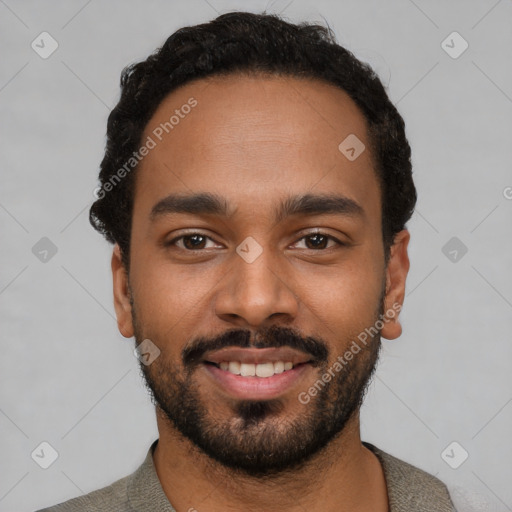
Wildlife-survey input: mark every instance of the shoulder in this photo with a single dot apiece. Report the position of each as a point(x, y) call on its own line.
point(113, 498)
point(410, 488)
point(139, 491)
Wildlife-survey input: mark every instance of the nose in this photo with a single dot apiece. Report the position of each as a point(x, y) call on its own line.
point(255, 294)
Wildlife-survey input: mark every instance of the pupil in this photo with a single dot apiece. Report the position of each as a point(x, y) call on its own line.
point(193, 241)
point(317, 240)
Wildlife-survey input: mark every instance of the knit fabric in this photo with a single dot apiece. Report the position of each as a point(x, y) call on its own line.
point(409, 490)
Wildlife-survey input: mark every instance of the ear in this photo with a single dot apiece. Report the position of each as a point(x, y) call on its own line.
point(396, 274)
point(121, 294)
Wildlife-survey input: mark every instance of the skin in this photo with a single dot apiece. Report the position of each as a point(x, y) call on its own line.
point(255, 141)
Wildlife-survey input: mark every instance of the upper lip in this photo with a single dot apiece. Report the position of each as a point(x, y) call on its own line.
point(257, 355)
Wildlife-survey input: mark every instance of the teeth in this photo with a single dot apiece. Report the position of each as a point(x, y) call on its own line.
point(258, 370)
point(279, 367)
point(234, 367)
point(265, 370)
point(247, 370)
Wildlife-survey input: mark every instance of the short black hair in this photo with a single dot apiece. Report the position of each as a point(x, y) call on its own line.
point(248, 43)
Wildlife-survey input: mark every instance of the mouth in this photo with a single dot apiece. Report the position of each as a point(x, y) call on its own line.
point(262, 370)
point(256, 374)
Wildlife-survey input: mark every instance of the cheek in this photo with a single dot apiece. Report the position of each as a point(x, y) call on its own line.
point(171, 298)
point(345, 298)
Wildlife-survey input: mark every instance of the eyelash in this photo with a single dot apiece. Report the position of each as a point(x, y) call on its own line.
point(181, 237)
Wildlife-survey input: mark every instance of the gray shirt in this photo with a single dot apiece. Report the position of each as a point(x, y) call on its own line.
point(409, 490)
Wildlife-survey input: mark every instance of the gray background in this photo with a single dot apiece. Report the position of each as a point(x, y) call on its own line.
point(70, 379)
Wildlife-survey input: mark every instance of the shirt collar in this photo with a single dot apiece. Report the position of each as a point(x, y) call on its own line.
point(144, 489)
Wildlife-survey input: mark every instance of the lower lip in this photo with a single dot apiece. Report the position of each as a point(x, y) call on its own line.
point(257, 388)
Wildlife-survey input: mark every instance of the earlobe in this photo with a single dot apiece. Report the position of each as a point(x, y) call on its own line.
point(122, 303)
point(396, 275)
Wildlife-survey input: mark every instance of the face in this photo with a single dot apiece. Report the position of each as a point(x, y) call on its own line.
point(256, 262)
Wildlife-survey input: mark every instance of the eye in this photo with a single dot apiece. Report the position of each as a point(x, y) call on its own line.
point(319, 241)
point(193, 242)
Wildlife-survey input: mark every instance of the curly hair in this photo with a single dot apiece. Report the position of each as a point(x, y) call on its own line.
point(247, 43)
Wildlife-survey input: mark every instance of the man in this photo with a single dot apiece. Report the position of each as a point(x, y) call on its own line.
point(256, 185)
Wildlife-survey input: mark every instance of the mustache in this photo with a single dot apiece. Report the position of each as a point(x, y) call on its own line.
point(271, 337)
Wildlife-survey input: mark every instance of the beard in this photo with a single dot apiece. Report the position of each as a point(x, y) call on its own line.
point(258, 438)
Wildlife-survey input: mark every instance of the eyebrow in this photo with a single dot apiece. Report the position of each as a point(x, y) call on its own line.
point(212, 204)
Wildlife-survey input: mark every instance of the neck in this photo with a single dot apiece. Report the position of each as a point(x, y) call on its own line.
point(343, 477)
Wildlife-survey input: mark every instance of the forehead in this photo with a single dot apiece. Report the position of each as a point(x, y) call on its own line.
point(252, 138)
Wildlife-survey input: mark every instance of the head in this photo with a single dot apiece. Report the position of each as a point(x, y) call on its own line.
point(256, 185)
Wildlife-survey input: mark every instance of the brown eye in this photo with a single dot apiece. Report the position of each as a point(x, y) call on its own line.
point(192, 242)
point(318, 241)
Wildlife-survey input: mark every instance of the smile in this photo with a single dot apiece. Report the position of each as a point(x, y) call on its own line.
point(262, 370)
point(256, 374)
